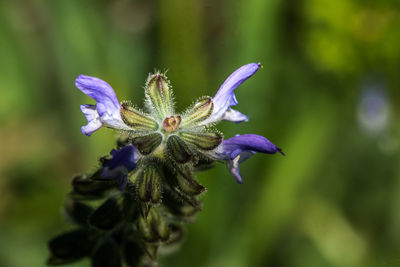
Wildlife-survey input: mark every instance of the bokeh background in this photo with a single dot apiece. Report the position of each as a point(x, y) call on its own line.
point(328, 95)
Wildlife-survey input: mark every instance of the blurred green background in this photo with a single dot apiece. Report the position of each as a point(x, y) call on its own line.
point(328, 95)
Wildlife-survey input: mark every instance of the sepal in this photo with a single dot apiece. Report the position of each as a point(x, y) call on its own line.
point(149, 185)
point(202, 140)
point(136, 119)
point(159, 95)
point(199, 112)
point(147, 143)
point(178, 149)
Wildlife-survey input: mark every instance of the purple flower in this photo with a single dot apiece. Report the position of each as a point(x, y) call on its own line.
point(106, 111)
point(237, 149)
point(122, 162)
point(225, 97)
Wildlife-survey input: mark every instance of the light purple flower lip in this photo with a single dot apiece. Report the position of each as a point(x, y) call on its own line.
point(122, 162)
point(225, 97)
point(107, 109)
point(237, 149)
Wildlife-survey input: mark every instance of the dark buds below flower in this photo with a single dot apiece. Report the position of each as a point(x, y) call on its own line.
point(149, 185)
point(147, 143)
point(107, 215)
point(70, 246)
point(153, 228)
point(178, 149)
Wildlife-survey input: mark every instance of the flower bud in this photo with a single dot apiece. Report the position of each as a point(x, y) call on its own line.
point(107, 215)
point(178, 150)
point(147, 143)
point(200, 111)
point(153, 228)
point(180, 206)
point(184, 182)
point(71, 246)
point(202, 140)
point(159, 95)
point(148, 185)
point(137, 120)
point(93, 187)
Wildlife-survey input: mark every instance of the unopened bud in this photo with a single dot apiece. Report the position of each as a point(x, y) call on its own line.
point(202, 140)
point(183, 207)
point(148, 185)
point(137, 120)
point(200, 111)
point(107, 215)
point(153, 228)
point(159, 94)
point(178, 150)
point(185, 183)
point(147, 143)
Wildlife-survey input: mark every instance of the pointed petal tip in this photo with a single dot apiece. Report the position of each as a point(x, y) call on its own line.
point(239, 181)
point(280, 151)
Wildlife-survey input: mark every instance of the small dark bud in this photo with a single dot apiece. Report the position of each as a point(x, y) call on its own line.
point(130, 206)
point(70, 246)
point(148, 185)
point(182, 206)
point(107, 255)
point(178, 150)
point(107, 215)
point(78, 211)
point(147, 143)
point(184, 182)
point(153, 228)
point(133, 252)
point(92, 187)
point(176, 234)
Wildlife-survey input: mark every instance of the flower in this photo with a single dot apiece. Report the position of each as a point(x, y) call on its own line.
point(237, 149)
point(106, 111)
point(162, 136)
point(122, 162)
point(225, 97)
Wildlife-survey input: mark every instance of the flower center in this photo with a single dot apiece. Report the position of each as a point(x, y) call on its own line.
point(171, 123)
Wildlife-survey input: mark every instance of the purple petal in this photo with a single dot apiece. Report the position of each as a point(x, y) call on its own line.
point(122, 162)
point(237, 149)
point(99, 90)
point(225, 97)
point(248, 142)
point(233, 167)
point(107, 108)
point(234, 116)
point(93, 119)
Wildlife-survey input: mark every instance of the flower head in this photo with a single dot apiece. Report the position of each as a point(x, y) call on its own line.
point(160, 134)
